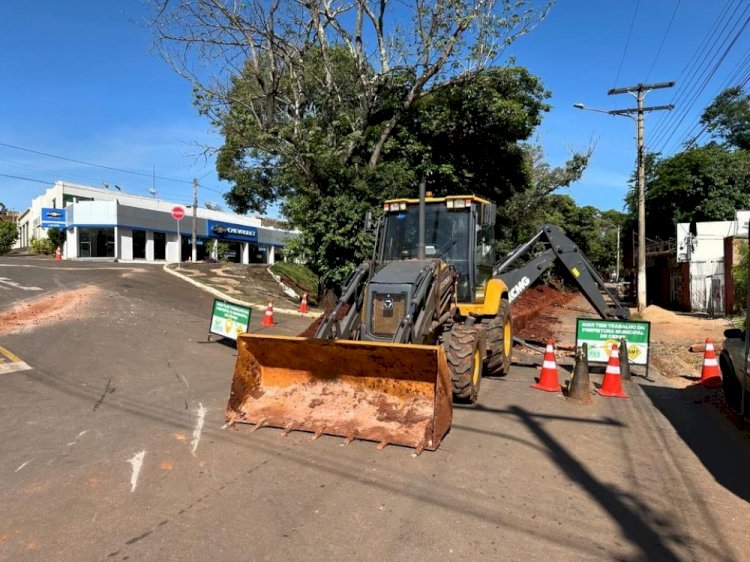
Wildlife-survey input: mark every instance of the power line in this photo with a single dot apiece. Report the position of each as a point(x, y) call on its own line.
point(685, 85)
point(708, 78)
point(26, 179)
point(698, 80)
point(627, 42)
point(92, 163)
point(663, 39)
point(125, 190)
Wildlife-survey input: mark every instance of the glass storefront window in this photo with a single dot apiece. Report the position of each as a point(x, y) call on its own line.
point(96, 242)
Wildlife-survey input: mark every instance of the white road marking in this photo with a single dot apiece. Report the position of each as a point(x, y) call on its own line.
point(198, 427)
point(137, 462)
point(78, 438)
point(24, 464)
point(6, 281)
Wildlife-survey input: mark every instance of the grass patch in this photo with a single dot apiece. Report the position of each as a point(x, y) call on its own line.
point(298, 277)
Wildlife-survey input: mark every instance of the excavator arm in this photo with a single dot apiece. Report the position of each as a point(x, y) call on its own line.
point(562, 248)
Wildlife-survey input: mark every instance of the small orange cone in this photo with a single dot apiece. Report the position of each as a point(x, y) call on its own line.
point(548, 380)
point(710, 373)
point(303, 307)
point(612, 383)
point(58, 254)
point(268, 318)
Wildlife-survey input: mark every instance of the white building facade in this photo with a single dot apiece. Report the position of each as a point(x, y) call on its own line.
point(107, 224)
point(702, 246)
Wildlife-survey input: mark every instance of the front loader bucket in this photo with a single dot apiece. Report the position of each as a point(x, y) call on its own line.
point(389, 393)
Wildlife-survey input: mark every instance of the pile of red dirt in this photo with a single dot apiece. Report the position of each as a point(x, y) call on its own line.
point(64, 305)
point(535, 314)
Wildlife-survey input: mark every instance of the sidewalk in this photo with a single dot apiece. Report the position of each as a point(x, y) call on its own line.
point(251, 286)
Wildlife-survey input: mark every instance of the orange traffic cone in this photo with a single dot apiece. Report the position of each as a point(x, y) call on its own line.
point(303, 307)
point(710, 373)
point(612, 383)
point(58, 254)
point(268, 318)
point(548, 380)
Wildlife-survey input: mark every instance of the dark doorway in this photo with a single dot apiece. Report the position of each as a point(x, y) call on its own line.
point(160, 246)
point(139, 244)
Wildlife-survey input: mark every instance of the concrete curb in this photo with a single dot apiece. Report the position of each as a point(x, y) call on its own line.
point(288, 291)
point(225, 297)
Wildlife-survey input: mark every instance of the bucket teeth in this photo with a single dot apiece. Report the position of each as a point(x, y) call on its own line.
point(289, 428)
point(318, 433)
point(261, 423)
point(349, 439)
point(382, 445)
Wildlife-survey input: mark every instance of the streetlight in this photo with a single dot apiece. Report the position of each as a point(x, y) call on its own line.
point(610, 223)
point(641, 175)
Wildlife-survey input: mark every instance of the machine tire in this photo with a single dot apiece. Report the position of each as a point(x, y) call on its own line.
point(498, 362)
point(464, 357)
point(730, 382)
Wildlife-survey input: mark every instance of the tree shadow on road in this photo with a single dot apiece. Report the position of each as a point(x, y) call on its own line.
point(696, 415)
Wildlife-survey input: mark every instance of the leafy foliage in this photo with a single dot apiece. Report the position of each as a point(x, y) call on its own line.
point(699, 184)
point(740, 274)
point(56, 237)
point(8, 236)
point(41, 246)
point(728, 117)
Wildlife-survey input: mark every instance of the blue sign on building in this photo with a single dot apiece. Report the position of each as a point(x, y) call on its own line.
point(229, 231)
point(53, 218)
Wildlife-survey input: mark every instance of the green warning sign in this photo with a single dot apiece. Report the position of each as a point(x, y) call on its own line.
point(229, 320)
point(600, 335)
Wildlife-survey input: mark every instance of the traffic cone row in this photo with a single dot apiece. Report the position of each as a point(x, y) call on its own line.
point(268, 317)
point(303, 307)
point(710, 373)
point(548, 380)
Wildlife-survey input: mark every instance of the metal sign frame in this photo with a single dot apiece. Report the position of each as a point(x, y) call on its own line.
point(619, 323)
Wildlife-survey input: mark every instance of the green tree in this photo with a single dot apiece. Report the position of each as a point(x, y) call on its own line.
point(728, 117)
point(311, 117)
point(56, 236)
point(8, 236)
point(707, 183)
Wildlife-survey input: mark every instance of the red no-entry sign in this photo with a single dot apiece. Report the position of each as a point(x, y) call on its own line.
point(178, 213)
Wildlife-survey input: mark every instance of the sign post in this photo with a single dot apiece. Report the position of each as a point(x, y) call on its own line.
point(178, 213)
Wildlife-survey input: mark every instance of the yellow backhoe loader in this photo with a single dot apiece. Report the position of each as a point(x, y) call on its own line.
point(416, 328)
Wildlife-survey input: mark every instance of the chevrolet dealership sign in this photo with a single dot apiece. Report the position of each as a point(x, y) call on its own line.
point(229, 231)
point(53, 218)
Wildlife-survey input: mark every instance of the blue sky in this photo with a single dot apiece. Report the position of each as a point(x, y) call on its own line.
point(79, 79)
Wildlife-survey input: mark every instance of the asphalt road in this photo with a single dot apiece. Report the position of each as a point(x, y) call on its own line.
point(113, 449)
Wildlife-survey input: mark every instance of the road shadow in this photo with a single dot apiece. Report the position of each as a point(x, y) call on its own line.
point(699, 416)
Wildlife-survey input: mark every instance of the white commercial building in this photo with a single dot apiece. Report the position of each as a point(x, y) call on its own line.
point(702, 246)
point(104, 223)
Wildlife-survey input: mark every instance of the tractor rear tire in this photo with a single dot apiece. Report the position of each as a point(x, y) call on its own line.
point(498, 352)
point(464, 355)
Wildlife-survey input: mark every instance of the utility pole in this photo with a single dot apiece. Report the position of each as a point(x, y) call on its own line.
point(195, 219)
point(639, 92)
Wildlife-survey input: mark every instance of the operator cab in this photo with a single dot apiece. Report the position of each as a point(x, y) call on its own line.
point(459, 230)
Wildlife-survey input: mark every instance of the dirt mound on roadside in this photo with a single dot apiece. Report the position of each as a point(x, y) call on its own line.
point(655, 313)
point(60, 306)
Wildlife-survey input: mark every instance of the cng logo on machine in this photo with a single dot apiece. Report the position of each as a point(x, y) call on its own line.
point(518, 288)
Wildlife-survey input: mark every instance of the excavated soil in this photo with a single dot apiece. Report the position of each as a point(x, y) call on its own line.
point(536, 313)
point(46, 309)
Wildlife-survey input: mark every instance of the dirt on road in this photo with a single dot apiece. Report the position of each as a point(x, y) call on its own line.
point(46, 309)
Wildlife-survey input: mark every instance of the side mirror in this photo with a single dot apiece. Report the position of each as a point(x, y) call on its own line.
point(733, 333)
